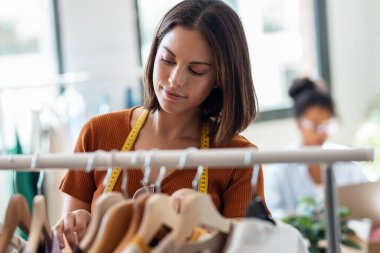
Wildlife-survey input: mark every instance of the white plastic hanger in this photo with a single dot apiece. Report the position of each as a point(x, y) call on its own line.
point(40, 225)
point(102, 204)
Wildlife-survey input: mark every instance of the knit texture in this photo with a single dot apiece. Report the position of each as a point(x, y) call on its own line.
point(230, 189)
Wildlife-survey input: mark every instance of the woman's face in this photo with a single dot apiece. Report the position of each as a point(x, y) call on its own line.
point(184, 71)
point(314, 125)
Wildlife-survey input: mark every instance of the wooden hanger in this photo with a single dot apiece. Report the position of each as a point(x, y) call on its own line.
point(17, 215)
point(39, 226)
point(158, 212)
point(113, 227)
point(102, 204)
point(137, 214)
point(195, 210)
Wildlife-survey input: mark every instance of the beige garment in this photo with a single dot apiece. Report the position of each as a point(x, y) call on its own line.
point(255, 235)
point(137, 245)
point(16, 245)
point(133, 248)
point(213, 244)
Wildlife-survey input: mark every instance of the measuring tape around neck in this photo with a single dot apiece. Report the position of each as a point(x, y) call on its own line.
point(127, 147)
point(205, 142)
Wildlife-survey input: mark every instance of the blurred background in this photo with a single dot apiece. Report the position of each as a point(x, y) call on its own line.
point(62, 62)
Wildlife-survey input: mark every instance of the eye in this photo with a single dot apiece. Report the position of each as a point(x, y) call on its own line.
point(166, 61)
point(195, 72)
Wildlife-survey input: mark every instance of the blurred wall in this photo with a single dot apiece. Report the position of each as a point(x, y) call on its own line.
point(98, 38)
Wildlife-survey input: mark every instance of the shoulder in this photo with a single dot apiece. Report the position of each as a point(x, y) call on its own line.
point(237, 141)
point(122, 116)
point(118, 121)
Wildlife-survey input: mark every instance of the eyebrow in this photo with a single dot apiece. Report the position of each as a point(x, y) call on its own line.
point(193, 62)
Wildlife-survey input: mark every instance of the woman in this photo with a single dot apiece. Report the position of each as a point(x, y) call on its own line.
point(286, 184)
point(198, 74)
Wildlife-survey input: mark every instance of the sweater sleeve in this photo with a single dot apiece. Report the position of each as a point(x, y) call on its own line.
point(78, 183)
point(239, 192)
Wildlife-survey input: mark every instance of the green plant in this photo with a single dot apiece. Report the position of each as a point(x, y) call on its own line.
point(309, 220)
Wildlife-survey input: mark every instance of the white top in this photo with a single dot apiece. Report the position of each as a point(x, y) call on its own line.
point(285, 184)
point(255, 235)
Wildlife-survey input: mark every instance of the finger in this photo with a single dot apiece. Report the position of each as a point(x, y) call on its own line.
point(58, 233)
point(82, 219)
point(69, 230)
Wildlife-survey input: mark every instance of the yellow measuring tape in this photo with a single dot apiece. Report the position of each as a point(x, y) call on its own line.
point(205, 140)
point(127, 147)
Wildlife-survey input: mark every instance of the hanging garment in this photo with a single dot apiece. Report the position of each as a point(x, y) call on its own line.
point(16, 245)
point(205, 243)
point(255, 235)
point(139, 245)
point(47, 247)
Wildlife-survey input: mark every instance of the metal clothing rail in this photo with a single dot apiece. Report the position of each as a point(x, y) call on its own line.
point(212, 158)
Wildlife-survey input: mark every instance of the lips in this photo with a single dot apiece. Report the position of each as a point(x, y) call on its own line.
point(172, 93)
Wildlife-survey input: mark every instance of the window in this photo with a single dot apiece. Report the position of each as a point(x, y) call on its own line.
point(27, 42)
point(281, 37)
point(27, 60)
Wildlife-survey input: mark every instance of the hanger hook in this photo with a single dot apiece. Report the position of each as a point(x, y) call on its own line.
point(147, 164)
point(248, 157)
point(197, 177)
point(34, 160)
point(33, 165)
point(183, 157)
point(255, 170)
point(91, 159)
point(109, 167)
point(255, 177)
point(135, 156)
point(160, 178)
point(11, 160)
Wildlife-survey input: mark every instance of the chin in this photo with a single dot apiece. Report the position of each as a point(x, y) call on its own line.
point(171, 109)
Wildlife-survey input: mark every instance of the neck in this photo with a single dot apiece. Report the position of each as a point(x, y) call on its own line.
point(176, 126)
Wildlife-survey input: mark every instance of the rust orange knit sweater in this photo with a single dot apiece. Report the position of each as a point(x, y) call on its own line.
point(230, 189)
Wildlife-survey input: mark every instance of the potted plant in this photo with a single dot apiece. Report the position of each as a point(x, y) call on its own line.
point(309, 220)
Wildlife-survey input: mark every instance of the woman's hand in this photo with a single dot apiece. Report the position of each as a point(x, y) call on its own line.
point(74, 226)
point(74, 222)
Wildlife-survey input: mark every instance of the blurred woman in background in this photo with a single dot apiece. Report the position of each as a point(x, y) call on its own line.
point(286, 184)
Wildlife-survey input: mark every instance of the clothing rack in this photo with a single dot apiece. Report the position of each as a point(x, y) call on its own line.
point(212, 158)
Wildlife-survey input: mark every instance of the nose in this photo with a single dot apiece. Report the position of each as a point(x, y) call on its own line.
point(177, 76)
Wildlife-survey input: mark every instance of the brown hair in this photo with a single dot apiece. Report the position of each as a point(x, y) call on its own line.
point(307, 93)
point(232, 106)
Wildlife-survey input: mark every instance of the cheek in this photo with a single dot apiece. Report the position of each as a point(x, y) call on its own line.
point(156, 70)
point(202, 89)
